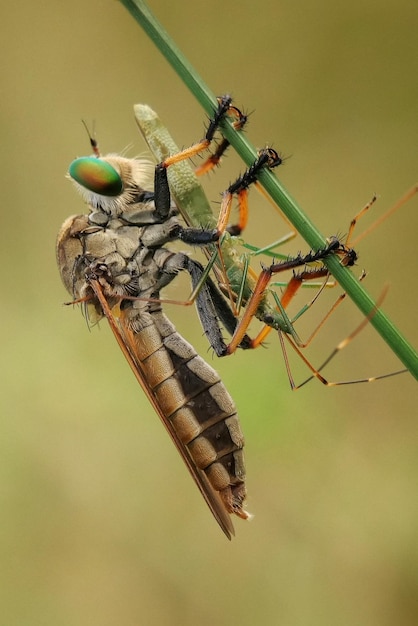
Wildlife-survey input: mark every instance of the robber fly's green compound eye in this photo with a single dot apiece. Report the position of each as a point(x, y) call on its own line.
point(96, 175)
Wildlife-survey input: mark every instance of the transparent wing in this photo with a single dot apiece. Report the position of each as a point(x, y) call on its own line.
point(123, 336)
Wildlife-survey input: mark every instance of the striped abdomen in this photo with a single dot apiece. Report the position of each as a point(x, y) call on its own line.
point(193, 400)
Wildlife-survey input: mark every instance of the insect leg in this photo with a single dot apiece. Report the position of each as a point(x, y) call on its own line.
point(162, 201)
point(267, 158)
point(334, 247)
point(224, 107)
point(343, 344)
point(211, 306)
point(213, 160)
point(403, 200)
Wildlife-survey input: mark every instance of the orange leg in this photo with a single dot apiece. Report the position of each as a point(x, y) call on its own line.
point(403, 200)
point(224, 108)
point(214, 159)
point(343, 344)
point(280, 323)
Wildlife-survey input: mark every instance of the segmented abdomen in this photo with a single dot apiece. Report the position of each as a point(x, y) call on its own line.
point(195, 401)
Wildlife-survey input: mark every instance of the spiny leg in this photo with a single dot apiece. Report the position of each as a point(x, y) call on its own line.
point(201, 236)
point(214, 159)
point(224, 107)
point(301, 279)
point(267, 158)
point(297, 281)
point(253, 304)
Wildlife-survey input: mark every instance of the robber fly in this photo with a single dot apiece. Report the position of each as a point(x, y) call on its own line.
point(116, 261)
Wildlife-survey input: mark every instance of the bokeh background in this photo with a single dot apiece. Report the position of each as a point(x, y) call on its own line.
point(100, 523)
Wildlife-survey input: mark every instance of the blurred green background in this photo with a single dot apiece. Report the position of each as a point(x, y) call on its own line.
point(100, 523)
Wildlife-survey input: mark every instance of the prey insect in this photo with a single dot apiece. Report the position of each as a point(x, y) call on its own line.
point(232, 269)
point(116, 261)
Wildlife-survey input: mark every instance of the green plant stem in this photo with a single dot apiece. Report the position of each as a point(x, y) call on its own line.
point(399, 345)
